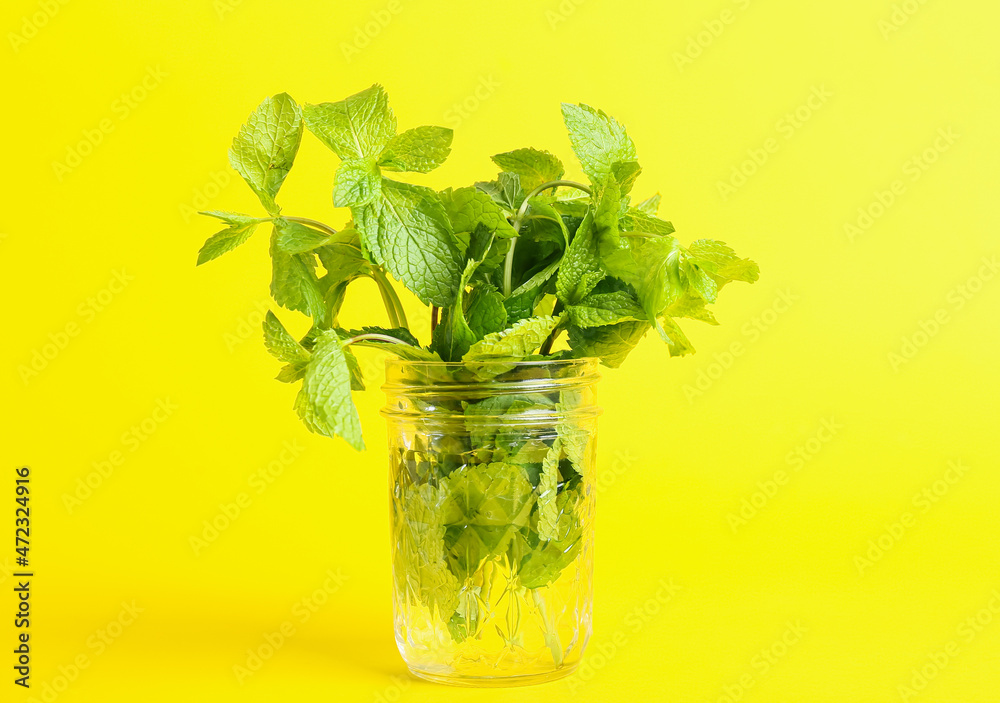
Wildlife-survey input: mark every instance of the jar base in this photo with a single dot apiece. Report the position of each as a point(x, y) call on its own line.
point(494, 681)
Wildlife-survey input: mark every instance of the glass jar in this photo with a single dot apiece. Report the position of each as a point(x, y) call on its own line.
point(492, 496)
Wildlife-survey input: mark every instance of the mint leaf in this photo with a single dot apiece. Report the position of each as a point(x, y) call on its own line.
point(358, 181)
point(281, 345)
point(342, 258)
point(420, 566)
point(691, 307)
point(240, 229)
point(523, 299)
point(233, 218)
point(606, 309)
point(469, 207)
point(294, 284)
point(324, 402)
point(625, 174)
point(496, 494)
point(297, 238)
point(516, 342)
point(676, 340)
point(598, 140)
point(263, 151)
point(636, 220)
point(410, 350)
point(408, 231)
point(610, 343)
point(420, 150)
point(453, 337)
point(652, 267)
point(548, 484)
point(543, 564)
point(506, 191)
point(722, 262)
point(400, 333)
point(492, 502)
point(354, 128)
point(485, 420)
point(484, 311)
point(650, 206)
point(533, 166)
point(542, 210)
point(581, 268)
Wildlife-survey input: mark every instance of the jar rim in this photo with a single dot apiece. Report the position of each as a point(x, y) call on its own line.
point(583, 362)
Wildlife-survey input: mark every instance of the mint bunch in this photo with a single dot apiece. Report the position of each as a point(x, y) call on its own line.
point(506, 266)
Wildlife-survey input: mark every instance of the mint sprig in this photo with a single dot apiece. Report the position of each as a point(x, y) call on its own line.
point(509, 267)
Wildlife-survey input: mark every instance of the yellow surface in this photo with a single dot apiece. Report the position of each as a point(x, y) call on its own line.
point(835, 444)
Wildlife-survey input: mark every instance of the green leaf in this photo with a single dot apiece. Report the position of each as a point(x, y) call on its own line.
point(533, 166)
point(358, 181)
point(610, 343)
point(722, 262)
point(420, 150)
point(324, 402)
point(676, 340)
point(625, 174)
point(420, 565)
point(281, 345)
point(516, 342)
point(294, 284)
point(263, 151)
point(541, 210)
point(408, 231)
point(411, 350)
point(233, 218)
point(355, 128)
point(453, 337)
point(492, 502)
point(469, 207)
point(543, 564)
point(636, 220)
point(240, 229)
point(297, 238)
point(581, 269)
point(492, 495)
point(574, 438)
point(691, 307)
point(650, 206)
point(598, 140)
point(506, 191)
point(548, 484)
point(485, 311)
point(342, 258)
point(652, 267)
point(490, 421)
point(400, 333)
point(698, 280)
point(606, 309)
point(290, 373)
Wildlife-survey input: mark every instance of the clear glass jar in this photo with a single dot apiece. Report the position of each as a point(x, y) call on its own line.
point(492, 496)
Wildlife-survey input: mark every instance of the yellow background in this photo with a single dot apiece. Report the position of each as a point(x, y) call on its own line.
point(676, 464)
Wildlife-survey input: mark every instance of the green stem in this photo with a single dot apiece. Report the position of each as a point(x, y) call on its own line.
point(551, 634)
point(315, 224)
point(397, 316)
point(390, 306)
point(508, 270)
point(546, 347)
point(374, 337)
